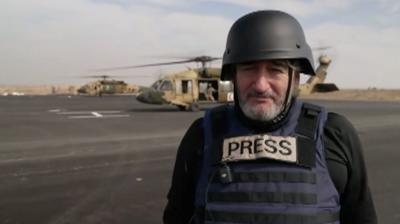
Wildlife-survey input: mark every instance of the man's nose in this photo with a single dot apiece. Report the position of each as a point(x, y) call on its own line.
point(262, 81)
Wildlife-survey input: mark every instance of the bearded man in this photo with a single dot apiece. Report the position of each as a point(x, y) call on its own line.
point(269, 158)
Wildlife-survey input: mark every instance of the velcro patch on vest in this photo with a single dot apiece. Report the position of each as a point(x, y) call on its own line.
point(252, 147)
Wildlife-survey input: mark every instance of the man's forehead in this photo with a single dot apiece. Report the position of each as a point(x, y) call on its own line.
point(276, 62)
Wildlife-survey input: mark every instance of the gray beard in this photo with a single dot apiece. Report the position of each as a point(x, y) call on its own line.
point(259, 114)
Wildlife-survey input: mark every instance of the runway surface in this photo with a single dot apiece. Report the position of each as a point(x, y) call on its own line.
point(109, 160)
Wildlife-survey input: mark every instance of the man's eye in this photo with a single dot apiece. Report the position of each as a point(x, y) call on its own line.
point(247, 68)
point(277, 70)
point(250, 68)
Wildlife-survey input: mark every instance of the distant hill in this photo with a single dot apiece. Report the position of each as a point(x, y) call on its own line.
point(358, 94)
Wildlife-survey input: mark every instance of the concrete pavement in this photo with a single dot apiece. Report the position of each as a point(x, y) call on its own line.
point(109, 160)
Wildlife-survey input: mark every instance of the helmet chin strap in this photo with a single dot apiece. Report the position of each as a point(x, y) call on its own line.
point(288, 98)
point(290, 88)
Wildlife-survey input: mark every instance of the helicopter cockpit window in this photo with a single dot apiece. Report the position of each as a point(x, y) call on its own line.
point(166, 86)
point(156, 85)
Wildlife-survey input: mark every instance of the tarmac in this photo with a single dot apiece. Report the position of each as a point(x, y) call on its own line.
point(77, 159)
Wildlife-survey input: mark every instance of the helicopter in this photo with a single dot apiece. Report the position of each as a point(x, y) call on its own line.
point(188, 89)
point(106, 86)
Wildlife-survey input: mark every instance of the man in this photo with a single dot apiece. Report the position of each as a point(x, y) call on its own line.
point(269, 158)
point(210, 92)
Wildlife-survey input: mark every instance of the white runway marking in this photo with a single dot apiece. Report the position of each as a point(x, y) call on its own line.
point(82, 117)
point(90, 114)
point(54, 110)
point(102, 116)
point(97, 114)
point(94, 166)
point(79, 153)
point(116, 115)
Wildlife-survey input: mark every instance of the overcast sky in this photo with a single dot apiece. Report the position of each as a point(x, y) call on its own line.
point(58, 41)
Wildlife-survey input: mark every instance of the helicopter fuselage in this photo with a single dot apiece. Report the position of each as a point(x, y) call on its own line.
point(186, 90)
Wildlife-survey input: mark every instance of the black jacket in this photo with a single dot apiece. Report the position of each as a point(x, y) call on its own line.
point(344, 159)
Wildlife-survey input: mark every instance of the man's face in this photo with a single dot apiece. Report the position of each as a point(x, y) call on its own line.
point(262, 87)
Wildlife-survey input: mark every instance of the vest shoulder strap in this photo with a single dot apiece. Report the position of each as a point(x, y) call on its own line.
point(213, 123)
point(217, 125)
point(308, 121)
point(306, 131)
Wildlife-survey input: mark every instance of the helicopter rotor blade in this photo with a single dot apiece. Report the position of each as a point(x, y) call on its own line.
point(205, 58)
point(202, 59)
point(102, 76)
point(141, 66)
point(97, 76)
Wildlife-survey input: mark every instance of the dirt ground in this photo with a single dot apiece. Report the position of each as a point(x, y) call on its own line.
point(38, 90)
point(359, 94)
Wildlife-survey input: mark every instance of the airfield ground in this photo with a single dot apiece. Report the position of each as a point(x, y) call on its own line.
point(89, 160)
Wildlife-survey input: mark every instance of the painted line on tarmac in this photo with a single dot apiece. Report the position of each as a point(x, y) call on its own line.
point(98, 116)
point(54, 110)
point(120, 115)
point(82, 117)
point(78, 153)
point(29, 145)
point(95, 166)
point(89, 112)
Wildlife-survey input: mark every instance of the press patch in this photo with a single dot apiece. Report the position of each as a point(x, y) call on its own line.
point(252, 147)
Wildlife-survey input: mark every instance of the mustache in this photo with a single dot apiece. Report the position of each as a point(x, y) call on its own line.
point(266, 94)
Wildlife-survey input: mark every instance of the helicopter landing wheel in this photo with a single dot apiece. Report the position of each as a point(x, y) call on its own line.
point(194, 107)
point(181, 108)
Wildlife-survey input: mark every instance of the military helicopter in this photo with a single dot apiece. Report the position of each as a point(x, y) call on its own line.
point(106, 86)
point(188, 89)
point(185, 89)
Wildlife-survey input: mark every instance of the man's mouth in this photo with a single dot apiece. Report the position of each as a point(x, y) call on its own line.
point(261, 98)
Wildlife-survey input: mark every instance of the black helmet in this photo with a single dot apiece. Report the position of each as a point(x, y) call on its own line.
point(264, 35)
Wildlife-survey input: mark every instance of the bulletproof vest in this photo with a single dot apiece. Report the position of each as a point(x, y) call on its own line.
point(289, 183)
